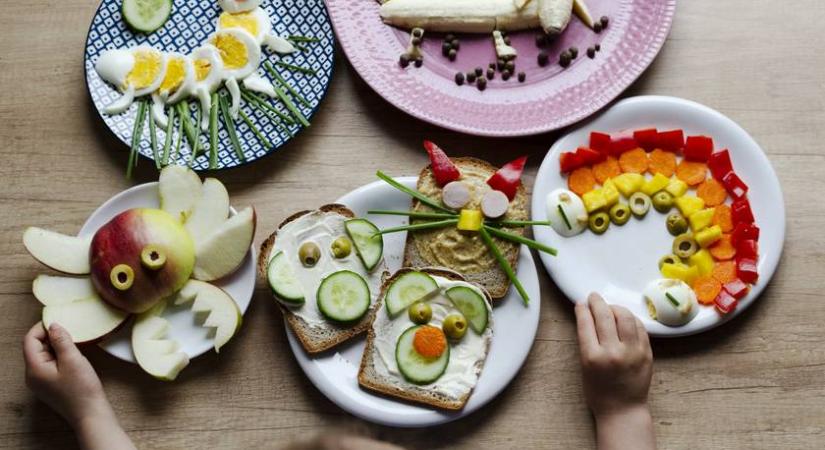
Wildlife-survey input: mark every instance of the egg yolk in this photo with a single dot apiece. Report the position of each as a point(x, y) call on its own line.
point(202, 69)
point(146, 69)
point(245, 20)
point(175, 73)
point(233, 51)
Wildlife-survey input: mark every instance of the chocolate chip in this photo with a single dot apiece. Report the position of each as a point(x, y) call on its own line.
point(521, 77)
point(565, 58)
point(445, 48)
point(598, 47)
point(471, 77)
point(543, 58)
point(506, 75)
point(452, 54)
point(481, 83)
point(591, 52)
point(510, 65)
point(491, 73)
point(574, 52)
point(449, 37)
point(404, 60)
point(456, 45)
point(597, 27)
point(419, 61)
point(541, 40)
point(479, 71)
point(416, 41)
point(459, 78)
point(604, 21)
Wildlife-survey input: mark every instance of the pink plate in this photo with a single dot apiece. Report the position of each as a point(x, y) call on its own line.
point(551, 97)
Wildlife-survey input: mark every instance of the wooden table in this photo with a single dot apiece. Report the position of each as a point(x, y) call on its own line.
point(756, 383)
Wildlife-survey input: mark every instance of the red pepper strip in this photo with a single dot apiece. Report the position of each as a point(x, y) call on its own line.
point(736, 288)
point(622, 142)
point(747, 248)
point(719, 164)
point(570, 161)
point(672, 141)
point(746, 270)
point(443, 168)
point(508, 178)
point(741, 211)
point(744, 231)
point(648, 138)
point(600, 142)
point(725, 302)
point(589, 156)
point(698, 148)
point(734, 185)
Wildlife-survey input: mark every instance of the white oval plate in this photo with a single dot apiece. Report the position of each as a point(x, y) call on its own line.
point(194, 339)
point(335, 373)
point(620, 263)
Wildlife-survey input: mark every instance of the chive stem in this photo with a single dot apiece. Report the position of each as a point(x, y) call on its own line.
point(137, 134)
point(213, 132)
point(419, 226)
point(672, 299)
point(521, 240)
point(299, 38)
point(260, 103)
point(153, 136)
point(230, 128)
point(291, 106)
point(413, 214)
point(518, 223)
point(295, 68)
point(564, 216)
point(415, 194)
point(504, 264)
point(178, 140)
point(286, 85)
point(197, 147)
point(264, 141)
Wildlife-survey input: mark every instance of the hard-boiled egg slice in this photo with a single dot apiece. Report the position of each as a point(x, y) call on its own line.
point(562, 201)
point(257, 83)
point(239, 52)
point(178, 83)
point(135, 72)
point(208, 77)
point(255, 22)
point(671, 302)
point(235, 6)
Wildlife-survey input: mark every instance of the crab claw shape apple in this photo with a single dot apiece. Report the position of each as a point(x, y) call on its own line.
point(220, 253)
point(179, 188)
point(209, 212)
point(69, 254)
point(224, 314)
point(87, 319)
point(158, 356)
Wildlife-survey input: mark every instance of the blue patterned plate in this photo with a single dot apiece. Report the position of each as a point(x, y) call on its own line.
point(190, 23)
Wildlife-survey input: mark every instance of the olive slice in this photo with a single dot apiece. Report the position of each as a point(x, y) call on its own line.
point(122, 277)
point(676, 224)
point(669, 259)
point(309, 254)
point(639, 204)
point(599, 222)
point(662, 201)
point(341, 247)
point(152, 257)
point(684, 246)
point(620, 213)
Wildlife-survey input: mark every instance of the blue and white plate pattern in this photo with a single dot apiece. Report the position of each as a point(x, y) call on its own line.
point(189, 25)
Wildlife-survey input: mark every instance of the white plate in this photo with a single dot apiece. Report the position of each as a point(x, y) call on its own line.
point(335, 372)
point(620, 263)
point(194, 339)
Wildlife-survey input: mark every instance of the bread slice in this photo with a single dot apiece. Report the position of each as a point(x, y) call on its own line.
point(317, 339)
point(369, 378)
point(494, 279)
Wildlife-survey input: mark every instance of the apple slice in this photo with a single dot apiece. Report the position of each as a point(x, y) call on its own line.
point(224, 314)
point(224, 250)
point(210, 211)
point(69, 254)
point(158, 356)
point(179, 188)
point(54, 290)
point(87, 320)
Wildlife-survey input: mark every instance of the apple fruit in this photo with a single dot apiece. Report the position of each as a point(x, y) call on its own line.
point(56, 290)
point(158, 356)
point(209, 212)
point(140, 257)
point(69, 254)
point(87, 319)
point(179, 188)
point(220, 253)
point(223, 312)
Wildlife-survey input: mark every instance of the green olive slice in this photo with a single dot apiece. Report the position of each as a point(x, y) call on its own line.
point(662, 201)
point(684, 246)
point(620, 213)
point(668, 259)
point(639, 204)
point(599, 222)
point(676, 224)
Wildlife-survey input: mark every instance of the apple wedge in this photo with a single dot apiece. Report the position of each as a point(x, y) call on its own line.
point(87, 320)
point(158, 356)
point(55, 290)
point(179, 188)
point(224, 250)
point(69, 254)
point(224, 314)
point(210, 211)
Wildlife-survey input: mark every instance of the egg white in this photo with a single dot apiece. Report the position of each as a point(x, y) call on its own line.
point(161, 98)
point(663, 310)
point(203, 89)
point(236, 6)
point(114, 67)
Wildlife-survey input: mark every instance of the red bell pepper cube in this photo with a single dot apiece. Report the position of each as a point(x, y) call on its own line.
point(698, 148)
point(672, 141)
point(747, 248)
point(725, 302)
point(508, 178)
point(719, 164)
point(648, 138)
point(600, 142)
point(589, 156)
point(736, 288)
point(743, 232)
point(746, 270)
point(570, 161)
point(741, 211)
point(443, 168)
point(622, 142)
point(734, 185)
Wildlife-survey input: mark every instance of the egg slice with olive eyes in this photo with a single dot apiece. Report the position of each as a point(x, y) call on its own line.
point(240, 55)
point(178, 83)
point(135, 72)
point(566, 212)
point(671, 302)
point(236, 6)
point(208, 68)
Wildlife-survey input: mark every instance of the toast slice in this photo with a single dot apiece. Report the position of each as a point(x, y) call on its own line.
point(369, 377)
point(487, 272)
point(316, 339)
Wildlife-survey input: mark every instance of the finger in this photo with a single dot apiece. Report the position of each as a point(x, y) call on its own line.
point(35, 351)
point(585, 328)
point(603, 318)
point(625, 325)
point(644, 339)
point(61, 342)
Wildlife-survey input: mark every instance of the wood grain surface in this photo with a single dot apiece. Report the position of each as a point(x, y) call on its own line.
point(756, 383)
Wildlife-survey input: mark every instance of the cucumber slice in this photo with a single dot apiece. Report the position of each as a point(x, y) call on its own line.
point(471, 304)
point(282, 280)
point(408, 289)
point(146, 15)
point(343, 296)
point(414, 367)
point(368, 243)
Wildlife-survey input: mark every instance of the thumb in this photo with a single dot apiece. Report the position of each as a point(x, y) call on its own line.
point(61, 342)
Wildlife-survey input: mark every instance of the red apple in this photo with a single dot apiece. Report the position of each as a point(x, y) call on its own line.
point(140, 257)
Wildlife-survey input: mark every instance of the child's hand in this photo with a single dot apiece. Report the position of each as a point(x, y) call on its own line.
point(61, 376)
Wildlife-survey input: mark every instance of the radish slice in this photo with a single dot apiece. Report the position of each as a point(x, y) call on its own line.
point(455, 195)
point(494, 204)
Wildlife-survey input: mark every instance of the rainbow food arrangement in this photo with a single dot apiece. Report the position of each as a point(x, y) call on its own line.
point(142, 260)
point(714, 256)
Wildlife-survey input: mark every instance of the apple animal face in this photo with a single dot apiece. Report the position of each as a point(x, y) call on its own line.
point(126, 259)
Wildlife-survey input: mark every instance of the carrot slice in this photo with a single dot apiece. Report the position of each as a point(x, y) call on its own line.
point(712, 192)
point(706, 288)
point(429, 341)
point(722, 217)
point(581, 180)
point(724, 271)
point(662, 162)
point(606, 170)
point(723, 249)
point(634, 161)
point(691, 172)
